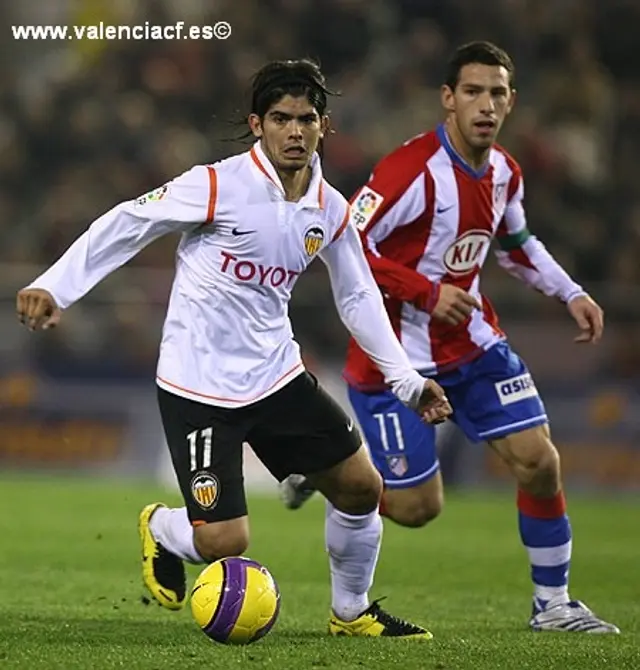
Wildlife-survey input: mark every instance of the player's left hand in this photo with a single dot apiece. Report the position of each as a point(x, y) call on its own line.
point(37, 309)
point(434, 406)
point(589, 317)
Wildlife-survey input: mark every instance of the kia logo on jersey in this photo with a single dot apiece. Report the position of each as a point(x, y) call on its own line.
point(465, 254)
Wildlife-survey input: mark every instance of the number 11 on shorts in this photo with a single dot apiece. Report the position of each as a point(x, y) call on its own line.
point(207, 436)
point(384, 436)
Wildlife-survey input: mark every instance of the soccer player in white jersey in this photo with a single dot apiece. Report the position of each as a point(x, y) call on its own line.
point(229, 369)
point(427, 217)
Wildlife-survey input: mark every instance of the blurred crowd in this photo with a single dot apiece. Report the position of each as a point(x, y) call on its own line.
point(84, 125)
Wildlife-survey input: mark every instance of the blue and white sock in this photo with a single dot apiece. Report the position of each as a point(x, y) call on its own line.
point(546, 534)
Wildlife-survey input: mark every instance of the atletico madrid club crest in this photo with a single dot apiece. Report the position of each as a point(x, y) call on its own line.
point(313, 239)
point(499, 195)
point(205, 490)
point(398, 465)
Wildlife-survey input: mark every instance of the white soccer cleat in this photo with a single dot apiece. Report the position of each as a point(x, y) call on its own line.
point(573, 617)
point(295, 491)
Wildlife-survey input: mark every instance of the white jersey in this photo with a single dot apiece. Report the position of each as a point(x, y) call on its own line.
point(227, 339)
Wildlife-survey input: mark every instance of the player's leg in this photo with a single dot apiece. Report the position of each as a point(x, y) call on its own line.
point(353, 536)
point(499, 403)
point(545, 531)
point(403, 450)
point(207, 458)
point(309, 433)
point(544, 525)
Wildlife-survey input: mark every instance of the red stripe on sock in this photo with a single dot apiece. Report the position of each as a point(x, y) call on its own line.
point(541, 508)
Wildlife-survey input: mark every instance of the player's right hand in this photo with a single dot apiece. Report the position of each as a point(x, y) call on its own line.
point(37, 309)
point(454, 305)
point(434, 405)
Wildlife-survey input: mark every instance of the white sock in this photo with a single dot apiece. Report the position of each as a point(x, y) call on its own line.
point(353, 544)
point(557, 594)
point(173, 530)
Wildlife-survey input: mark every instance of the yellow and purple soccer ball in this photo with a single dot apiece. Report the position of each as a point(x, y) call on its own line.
point(235, 601)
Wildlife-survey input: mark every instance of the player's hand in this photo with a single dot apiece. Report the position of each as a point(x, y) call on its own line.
point(589, 317)
point(434, 406)
point(37, 309)
point(454, 305)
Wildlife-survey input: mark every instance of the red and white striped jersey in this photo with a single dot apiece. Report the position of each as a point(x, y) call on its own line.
point(427, 218)
point(227, 339)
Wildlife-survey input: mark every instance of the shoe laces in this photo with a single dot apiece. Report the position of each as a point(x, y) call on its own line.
point(393, 624)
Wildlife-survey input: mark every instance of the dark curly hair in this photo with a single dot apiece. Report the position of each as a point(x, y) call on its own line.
point(293, 77)
point(300, 77)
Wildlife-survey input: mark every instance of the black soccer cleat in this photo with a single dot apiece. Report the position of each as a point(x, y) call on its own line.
point(375, 622)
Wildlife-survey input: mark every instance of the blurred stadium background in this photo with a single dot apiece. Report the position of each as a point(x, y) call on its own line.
point(84, 125)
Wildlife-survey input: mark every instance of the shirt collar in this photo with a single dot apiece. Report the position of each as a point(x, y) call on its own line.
point(314, 197)
point(456, 158)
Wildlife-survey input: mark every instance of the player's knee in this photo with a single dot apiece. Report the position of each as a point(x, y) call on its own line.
point(536, 461)
point(541, 461)
point(413, 508)
point(425, 511)
point(414, 517)
point(221, 539)
point(361, 493)
point(545, 479)
point(353, 486)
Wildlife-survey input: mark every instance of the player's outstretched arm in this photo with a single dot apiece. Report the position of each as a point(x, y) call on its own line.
point(524, 256)
point(112, 240)
point(362, 311)
point(535, 266)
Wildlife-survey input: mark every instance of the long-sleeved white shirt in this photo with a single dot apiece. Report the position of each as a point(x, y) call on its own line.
point(227, 338)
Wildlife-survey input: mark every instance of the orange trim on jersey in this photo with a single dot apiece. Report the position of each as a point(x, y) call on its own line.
point(198, 523)
point(343, 225)
point(213, 193)
point(321, 194)
point(261, 167)
point(215, 397)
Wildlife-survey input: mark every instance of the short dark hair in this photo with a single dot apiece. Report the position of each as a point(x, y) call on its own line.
point(289, 77)
point(485, 53)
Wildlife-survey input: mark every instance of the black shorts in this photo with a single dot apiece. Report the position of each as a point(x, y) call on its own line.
point(298, 429)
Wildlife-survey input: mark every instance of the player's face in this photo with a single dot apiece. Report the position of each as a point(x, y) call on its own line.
point(480, 103)
point(290, 132)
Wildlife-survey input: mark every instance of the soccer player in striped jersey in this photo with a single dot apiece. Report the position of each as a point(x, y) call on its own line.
point(427, 217)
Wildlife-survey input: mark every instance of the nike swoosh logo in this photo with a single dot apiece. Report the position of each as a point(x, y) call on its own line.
point(350, 425)
point(442, 210)
point(237, 232)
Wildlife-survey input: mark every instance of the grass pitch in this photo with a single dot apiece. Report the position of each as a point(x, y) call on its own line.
point(70, 587)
